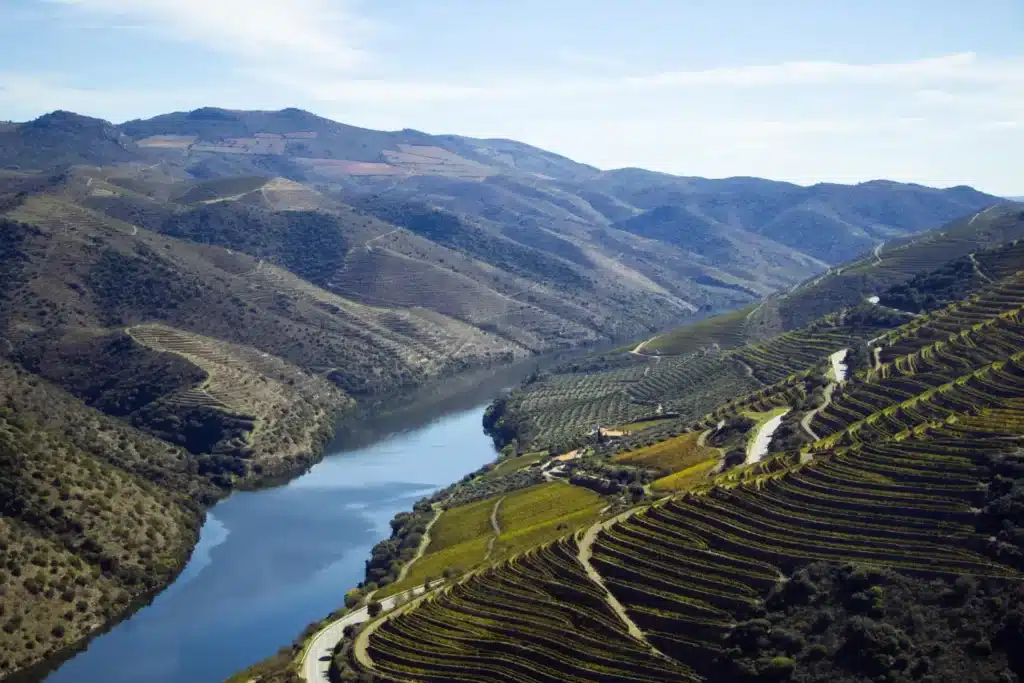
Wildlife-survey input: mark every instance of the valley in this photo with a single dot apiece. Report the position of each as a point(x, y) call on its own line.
point(191, 305)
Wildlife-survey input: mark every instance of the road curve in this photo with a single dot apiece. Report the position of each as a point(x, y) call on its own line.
point(317, 658)
point(758, 446)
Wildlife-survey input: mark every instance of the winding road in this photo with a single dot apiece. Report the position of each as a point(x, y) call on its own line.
point(317, 658)
point(805, 423)
point(758, 447)
point(586, 551)
point(839, 369)
point(495, 527)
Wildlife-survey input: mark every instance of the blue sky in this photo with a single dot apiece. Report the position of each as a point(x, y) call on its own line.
point(800, 90)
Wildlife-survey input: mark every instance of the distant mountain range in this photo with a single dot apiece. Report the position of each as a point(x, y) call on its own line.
point(375, 259)
point(670, 244)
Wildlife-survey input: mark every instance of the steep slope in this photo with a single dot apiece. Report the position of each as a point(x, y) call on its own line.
point(892, 263)
point(82, 292)
point(93, 516)
point(888, 546)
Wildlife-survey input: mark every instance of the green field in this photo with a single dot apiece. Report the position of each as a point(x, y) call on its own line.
point(642, 425)
point(460, 538)
point(515, 464)
point(686, 479)
point(726, 330)
point(542, 513)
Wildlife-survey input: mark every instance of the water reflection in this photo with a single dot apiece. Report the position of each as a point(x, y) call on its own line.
point(270, 562)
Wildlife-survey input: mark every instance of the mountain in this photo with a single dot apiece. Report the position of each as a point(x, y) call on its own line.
point(538, 199)
point(188, 305)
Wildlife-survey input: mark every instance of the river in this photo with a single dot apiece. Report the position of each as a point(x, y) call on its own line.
point(270, 562)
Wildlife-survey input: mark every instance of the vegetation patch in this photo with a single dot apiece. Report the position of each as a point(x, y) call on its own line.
point(722, 331)
point(534, 516)
point(671, 455)
point(686, 479)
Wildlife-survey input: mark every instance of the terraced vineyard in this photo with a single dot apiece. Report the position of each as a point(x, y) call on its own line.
point(711, 383)
point(722, 331)
point(897, 482)
point(689, 569)
point(563, 406)
point(792, 352)
point(280, 408)
point(955, 365)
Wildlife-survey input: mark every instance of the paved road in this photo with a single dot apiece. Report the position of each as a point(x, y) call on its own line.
point(806, 421)
point(758, 447)
point(318, 654)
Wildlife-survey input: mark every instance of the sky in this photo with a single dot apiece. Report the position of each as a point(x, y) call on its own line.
point(928, 91)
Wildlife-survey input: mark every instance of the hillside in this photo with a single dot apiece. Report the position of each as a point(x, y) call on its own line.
point(888, 265)
point(629, 242)
point(878, 536)
point(94, 515)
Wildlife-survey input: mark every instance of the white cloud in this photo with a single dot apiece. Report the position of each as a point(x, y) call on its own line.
point(281, 30)
point(924, 75)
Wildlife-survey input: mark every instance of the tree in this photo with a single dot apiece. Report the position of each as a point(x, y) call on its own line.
point(353, 597)
point(373, 609)
point(511, 450)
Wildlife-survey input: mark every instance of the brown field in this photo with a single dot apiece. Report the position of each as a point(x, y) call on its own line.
point(243, 146)
point(434, 160)
point(167, 141)
point(345, 167)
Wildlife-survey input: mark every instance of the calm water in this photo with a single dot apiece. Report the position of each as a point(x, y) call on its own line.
point(270, 562)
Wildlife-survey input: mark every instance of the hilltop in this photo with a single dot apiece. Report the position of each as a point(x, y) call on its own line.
point(638, 229)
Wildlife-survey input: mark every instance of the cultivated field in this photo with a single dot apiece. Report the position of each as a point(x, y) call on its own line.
point(898, 480)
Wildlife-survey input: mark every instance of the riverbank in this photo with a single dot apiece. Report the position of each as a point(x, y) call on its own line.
point(321, 434)
point(378, 464)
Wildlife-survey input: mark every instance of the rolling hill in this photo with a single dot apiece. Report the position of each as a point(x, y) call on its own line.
point(648, 234)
